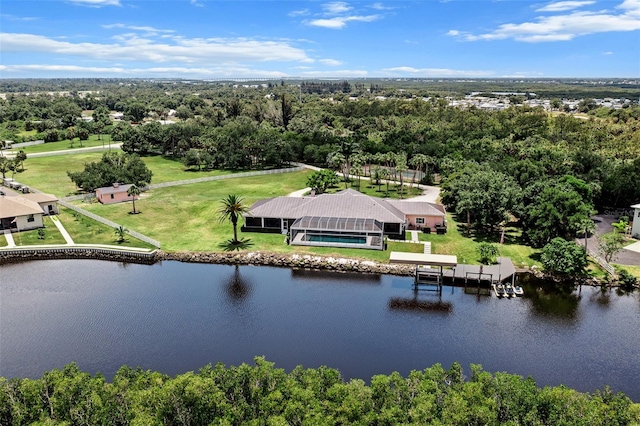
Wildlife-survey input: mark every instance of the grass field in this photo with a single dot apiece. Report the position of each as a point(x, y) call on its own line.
point(49, 174)
point(66, 144)
point(87, 231)
point(30, 238)
point(367, 188)
point(184, 218)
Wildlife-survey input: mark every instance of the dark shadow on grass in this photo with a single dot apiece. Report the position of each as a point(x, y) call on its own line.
point(231, 245)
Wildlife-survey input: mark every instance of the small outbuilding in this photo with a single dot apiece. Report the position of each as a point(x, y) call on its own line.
point(47, 202)
point(116, 193)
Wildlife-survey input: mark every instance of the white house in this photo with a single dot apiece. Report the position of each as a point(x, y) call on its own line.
point(635, 226)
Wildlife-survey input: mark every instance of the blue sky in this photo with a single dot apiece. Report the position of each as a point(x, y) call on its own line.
point(310, 39)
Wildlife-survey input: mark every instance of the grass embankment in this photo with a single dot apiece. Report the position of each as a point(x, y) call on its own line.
point(466, 248)
point(32, 238)
point(87, 231)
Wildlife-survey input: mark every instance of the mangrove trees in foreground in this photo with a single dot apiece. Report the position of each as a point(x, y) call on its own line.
point(265, 395)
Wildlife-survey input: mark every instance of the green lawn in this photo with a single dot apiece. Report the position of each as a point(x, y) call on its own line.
point(49, 174)
point(66, 144)
point(168, 170)
point(367, 188)
point(633, 270)
point(184, 218)
point(466, 248)
point(30, 238)
point(87, 231)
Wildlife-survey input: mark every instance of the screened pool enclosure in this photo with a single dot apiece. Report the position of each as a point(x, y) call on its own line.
point(337, 232)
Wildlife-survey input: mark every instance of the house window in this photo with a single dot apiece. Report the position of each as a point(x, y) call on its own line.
point(30, 218)
point(112, 196)
point(419, 220)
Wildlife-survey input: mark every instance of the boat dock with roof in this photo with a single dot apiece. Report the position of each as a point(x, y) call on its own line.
point(430, 269)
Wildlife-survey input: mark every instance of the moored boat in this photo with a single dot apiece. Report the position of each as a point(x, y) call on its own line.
point(509, 290)
point(518, 290)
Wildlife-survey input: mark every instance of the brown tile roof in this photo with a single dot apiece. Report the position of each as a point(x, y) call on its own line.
point(17, 206)
point(40, 197)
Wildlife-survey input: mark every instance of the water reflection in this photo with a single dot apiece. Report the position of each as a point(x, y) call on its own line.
point(550, 299)
point(237, 286)
point(335, 276)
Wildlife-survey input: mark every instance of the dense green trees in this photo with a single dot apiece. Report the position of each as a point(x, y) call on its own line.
point(482, 196)
point(114, 167)
point(322, 179)
point(263, 394)
point(564, 257)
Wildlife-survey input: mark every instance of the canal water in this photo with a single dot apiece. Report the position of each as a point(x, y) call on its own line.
point(176, 317)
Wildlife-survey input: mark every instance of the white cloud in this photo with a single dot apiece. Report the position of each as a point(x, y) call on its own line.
point(330, 62)
point(564, 27)
point(96, 3)
point(296, 13)
point(336, 73)
point(137, 28)
point(607, 53)
point(206, 52)
point(340, 22)
point(435, 72)
point(18, 18)
point(196, 3)
point(335, 8)
point(380, 6)
point(195, 72)
point(562, 6)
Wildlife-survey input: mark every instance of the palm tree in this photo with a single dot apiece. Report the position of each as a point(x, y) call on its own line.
point(121, 233)
point(384, 174)
point(230, 209)
point(133, 192)
point(417, 161)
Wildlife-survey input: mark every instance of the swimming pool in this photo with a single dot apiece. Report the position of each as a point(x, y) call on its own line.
point(341, 239)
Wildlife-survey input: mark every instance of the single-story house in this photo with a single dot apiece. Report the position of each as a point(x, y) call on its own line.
point(20, 214)
point(635, 225)
point(48, 202)
point(345, 219)
point(116, 193)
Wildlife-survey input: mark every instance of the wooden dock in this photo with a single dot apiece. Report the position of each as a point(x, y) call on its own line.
point(502, 271)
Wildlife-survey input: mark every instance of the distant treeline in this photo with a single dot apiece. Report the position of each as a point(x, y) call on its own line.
point(265, 395)
point(324, 87)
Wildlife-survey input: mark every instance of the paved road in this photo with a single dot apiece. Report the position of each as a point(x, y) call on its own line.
point(114, 146)
point(603, 225)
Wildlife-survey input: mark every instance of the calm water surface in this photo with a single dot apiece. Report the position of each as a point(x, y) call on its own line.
point(175, 317)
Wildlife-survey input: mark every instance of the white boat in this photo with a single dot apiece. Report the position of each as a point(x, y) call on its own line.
point(499, 289)
point(509, 290)
point(518, 290)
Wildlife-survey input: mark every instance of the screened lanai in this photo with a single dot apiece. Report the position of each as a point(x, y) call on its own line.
point(337, 232)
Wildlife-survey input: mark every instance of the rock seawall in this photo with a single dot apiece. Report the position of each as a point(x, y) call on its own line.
point(290, 261)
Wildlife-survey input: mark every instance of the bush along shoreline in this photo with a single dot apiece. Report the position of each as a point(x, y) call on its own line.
point(261, 394)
